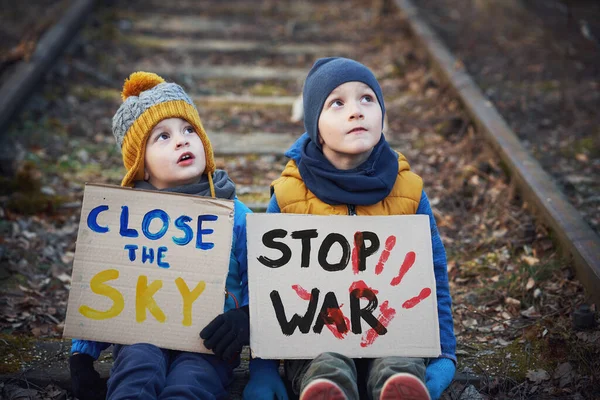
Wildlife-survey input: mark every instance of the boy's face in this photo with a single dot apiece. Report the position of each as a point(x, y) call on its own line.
point(174, 154)
point(350, 125)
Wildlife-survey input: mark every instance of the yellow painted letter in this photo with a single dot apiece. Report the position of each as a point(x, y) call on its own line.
point(189, 298)
point(97, 285)
point(144, 299)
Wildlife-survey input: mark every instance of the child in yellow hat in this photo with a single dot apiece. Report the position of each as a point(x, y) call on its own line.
point(165, 148)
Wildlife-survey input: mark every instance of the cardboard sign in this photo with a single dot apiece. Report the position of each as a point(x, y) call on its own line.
point(359, 286)
point(149, 267)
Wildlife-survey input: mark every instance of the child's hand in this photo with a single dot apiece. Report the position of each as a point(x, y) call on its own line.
point(265, 382)
point(438, 376)
point(85, 380)
point(228, 333)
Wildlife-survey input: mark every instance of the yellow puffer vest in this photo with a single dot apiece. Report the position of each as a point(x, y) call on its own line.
point(293, 196)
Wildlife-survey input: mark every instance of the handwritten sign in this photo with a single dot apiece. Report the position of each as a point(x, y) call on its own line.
point(149, 267)
point(359, 286)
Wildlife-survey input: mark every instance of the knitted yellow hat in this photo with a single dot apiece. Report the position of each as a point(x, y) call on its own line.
point(147, 100)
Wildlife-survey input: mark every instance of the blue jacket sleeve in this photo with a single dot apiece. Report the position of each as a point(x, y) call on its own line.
point(273, 207)
point(260, 367)
point(240, 247)
point(440, 266)
point(88, 347)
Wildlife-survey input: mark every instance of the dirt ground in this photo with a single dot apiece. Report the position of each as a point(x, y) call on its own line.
point(21, 25)
point(514, 296)
point(539, 63)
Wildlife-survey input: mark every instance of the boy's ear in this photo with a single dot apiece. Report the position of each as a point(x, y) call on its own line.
point(146, 174)
point(321, 141)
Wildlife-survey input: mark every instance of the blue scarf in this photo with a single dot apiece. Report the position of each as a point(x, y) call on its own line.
point(367, 184)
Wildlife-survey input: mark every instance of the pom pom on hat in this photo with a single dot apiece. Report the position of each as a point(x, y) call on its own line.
point(139, 82)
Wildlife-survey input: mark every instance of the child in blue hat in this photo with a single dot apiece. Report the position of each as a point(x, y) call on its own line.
point(343, 165)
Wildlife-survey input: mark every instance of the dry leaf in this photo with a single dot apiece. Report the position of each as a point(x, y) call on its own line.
point(531, 261)
point(68, 257)
point(538, 376)
point(578, 179)
point(500, 233)
point(64, 278)
point(513, 302)
point(564, 373)
point(589, 337)
point(451, 265)
point(530, 284)
point(531, 312)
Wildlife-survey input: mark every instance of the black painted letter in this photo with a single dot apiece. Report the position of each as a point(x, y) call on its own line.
point(268, 241)
point(303, 323)
point(356, 313)
point(362, 251)
point(305, 236)
point(324, 251)
point(330, 314)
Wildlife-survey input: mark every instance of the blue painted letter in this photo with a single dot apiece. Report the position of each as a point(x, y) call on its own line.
point(124, 230)
point(92, 219)
point(147, 253)
point(199, 243)
point(160, 254)
point(150, 215)
point(181, 223)
point(132, 248)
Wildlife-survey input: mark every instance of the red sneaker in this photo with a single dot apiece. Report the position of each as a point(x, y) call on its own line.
point(322, 389)
point(403, 386)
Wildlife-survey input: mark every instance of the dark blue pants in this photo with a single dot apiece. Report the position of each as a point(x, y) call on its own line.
point(145, 371)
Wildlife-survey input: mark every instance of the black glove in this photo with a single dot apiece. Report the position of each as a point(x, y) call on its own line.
point(228, 333)
point(86, 381)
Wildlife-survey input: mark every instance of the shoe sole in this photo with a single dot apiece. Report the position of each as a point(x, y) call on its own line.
point(404, 387)
point(322, 389)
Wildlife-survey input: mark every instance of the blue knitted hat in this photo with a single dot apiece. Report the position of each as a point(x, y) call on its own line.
point(324, 76)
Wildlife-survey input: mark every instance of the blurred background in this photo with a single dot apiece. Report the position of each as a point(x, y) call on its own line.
point(526, 328)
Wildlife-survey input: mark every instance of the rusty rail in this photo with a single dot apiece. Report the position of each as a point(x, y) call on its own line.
point(573, 234)
point(27, 76)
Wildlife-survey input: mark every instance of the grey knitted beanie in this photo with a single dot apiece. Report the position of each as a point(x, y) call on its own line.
point(147, 100)
point(325, 75)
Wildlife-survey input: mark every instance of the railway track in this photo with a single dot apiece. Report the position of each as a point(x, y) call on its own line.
point(243, 63)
